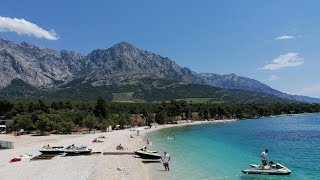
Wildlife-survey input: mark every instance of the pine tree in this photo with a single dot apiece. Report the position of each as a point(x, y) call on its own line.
point(100, 108)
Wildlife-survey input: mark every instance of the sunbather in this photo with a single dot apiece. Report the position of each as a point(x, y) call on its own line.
point(119, 147)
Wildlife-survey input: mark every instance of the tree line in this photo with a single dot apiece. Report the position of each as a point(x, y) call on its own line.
point(67, 116)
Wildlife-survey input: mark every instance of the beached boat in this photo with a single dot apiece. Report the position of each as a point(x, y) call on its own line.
point(52, 150)
point(273, 169)
point(147, 154)
point(74, 150)
point(147, 150)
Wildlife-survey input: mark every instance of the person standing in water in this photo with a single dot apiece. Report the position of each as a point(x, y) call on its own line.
point(263, 156)
point(165, 159)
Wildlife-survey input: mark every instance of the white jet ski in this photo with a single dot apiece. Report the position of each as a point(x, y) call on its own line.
point(273, 169)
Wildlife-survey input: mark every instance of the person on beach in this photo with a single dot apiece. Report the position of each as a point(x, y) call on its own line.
point(120, 147)
point(46, 146)
point(165, 160)
point(263, 156)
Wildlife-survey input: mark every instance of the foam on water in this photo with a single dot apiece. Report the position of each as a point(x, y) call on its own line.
point(221, 151)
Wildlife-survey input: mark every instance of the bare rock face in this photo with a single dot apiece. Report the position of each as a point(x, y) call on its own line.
point(123, 63)
point(40, 67)
point(232, 81)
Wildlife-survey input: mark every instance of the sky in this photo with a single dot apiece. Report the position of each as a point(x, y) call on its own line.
point(275, 42)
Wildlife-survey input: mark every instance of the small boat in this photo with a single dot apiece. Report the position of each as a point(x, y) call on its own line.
point(147, 150)
point(52, 150)
point(147, 154)
point(273, 169)
point(74, 150)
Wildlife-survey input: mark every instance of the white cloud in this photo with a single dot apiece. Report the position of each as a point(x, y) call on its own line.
point(285, 37)
point(23, 27)
point(273, 78)
point(312, 90)
point(286, 60)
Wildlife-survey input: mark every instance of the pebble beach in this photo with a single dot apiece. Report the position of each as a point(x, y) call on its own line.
point(96, 166)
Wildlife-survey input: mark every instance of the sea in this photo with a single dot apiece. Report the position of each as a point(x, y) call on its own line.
point(222, 151)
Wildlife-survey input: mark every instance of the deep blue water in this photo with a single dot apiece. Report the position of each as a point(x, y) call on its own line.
point(221, 151)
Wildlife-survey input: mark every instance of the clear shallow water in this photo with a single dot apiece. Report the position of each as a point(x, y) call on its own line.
point(221, 151)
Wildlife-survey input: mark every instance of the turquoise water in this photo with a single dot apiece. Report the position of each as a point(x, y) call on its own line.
point(221, 151)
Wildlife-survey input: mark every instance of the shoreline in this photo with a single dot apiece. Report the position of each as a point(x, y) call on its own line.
point(190, 124)
point(81, 167)
point(87, 167)
point(151, 170)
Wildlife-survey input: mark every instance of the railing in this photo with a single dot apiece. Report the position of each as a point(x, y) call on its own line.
point(6, 145)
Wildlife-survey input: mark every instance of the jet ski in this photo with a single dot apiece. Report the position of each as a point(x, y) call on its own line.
point(52, 150)
point(147, 150)
point(74, 150)
point(147, 154)
point(272, 169)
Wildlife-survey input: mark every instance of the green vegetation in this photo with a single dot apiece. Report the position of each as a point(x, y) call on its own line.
point(150, 90)
point(197, 100)
point(124, 97)
point(66, 116)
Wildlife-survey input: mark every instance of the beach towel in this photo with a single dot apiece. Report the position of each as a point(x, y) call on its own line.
point(15, 160)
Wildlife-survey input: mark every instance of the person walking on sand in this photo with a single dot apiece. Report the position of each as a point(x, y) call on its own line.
point(263, 156)
point(165, 159)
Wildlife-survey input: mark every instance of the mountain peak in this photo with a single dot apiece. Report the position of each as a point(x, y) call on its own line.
point(232, 74)
point(123, 45)
point(25, 44)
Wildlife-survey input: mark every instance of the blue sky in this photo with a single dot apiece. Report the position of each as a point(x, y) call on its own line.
point(275, 42)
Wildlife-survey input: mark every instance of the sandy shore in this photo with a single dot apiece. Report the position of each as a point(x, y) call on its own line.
point(94, 167)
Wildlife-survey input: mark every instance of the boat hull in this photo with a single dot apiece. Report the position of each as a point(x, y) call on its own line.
point(146, 155)
point(75, 152)
point(52, 151)
point(275, 169)
point(265, 172)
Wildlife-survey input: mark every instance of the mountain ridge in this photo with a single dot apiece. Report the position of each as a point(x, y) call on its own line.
point(121, 64)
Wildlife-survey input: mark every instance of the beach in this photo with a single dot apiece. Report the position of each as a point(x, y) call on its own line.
point(96, 166)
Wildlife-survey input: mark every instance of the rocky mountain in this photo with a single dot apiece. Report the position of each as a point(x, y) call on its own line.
point(41, 67)
point(122, 67)
point(232, 81)
point(306, 99)
point(123, 63)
